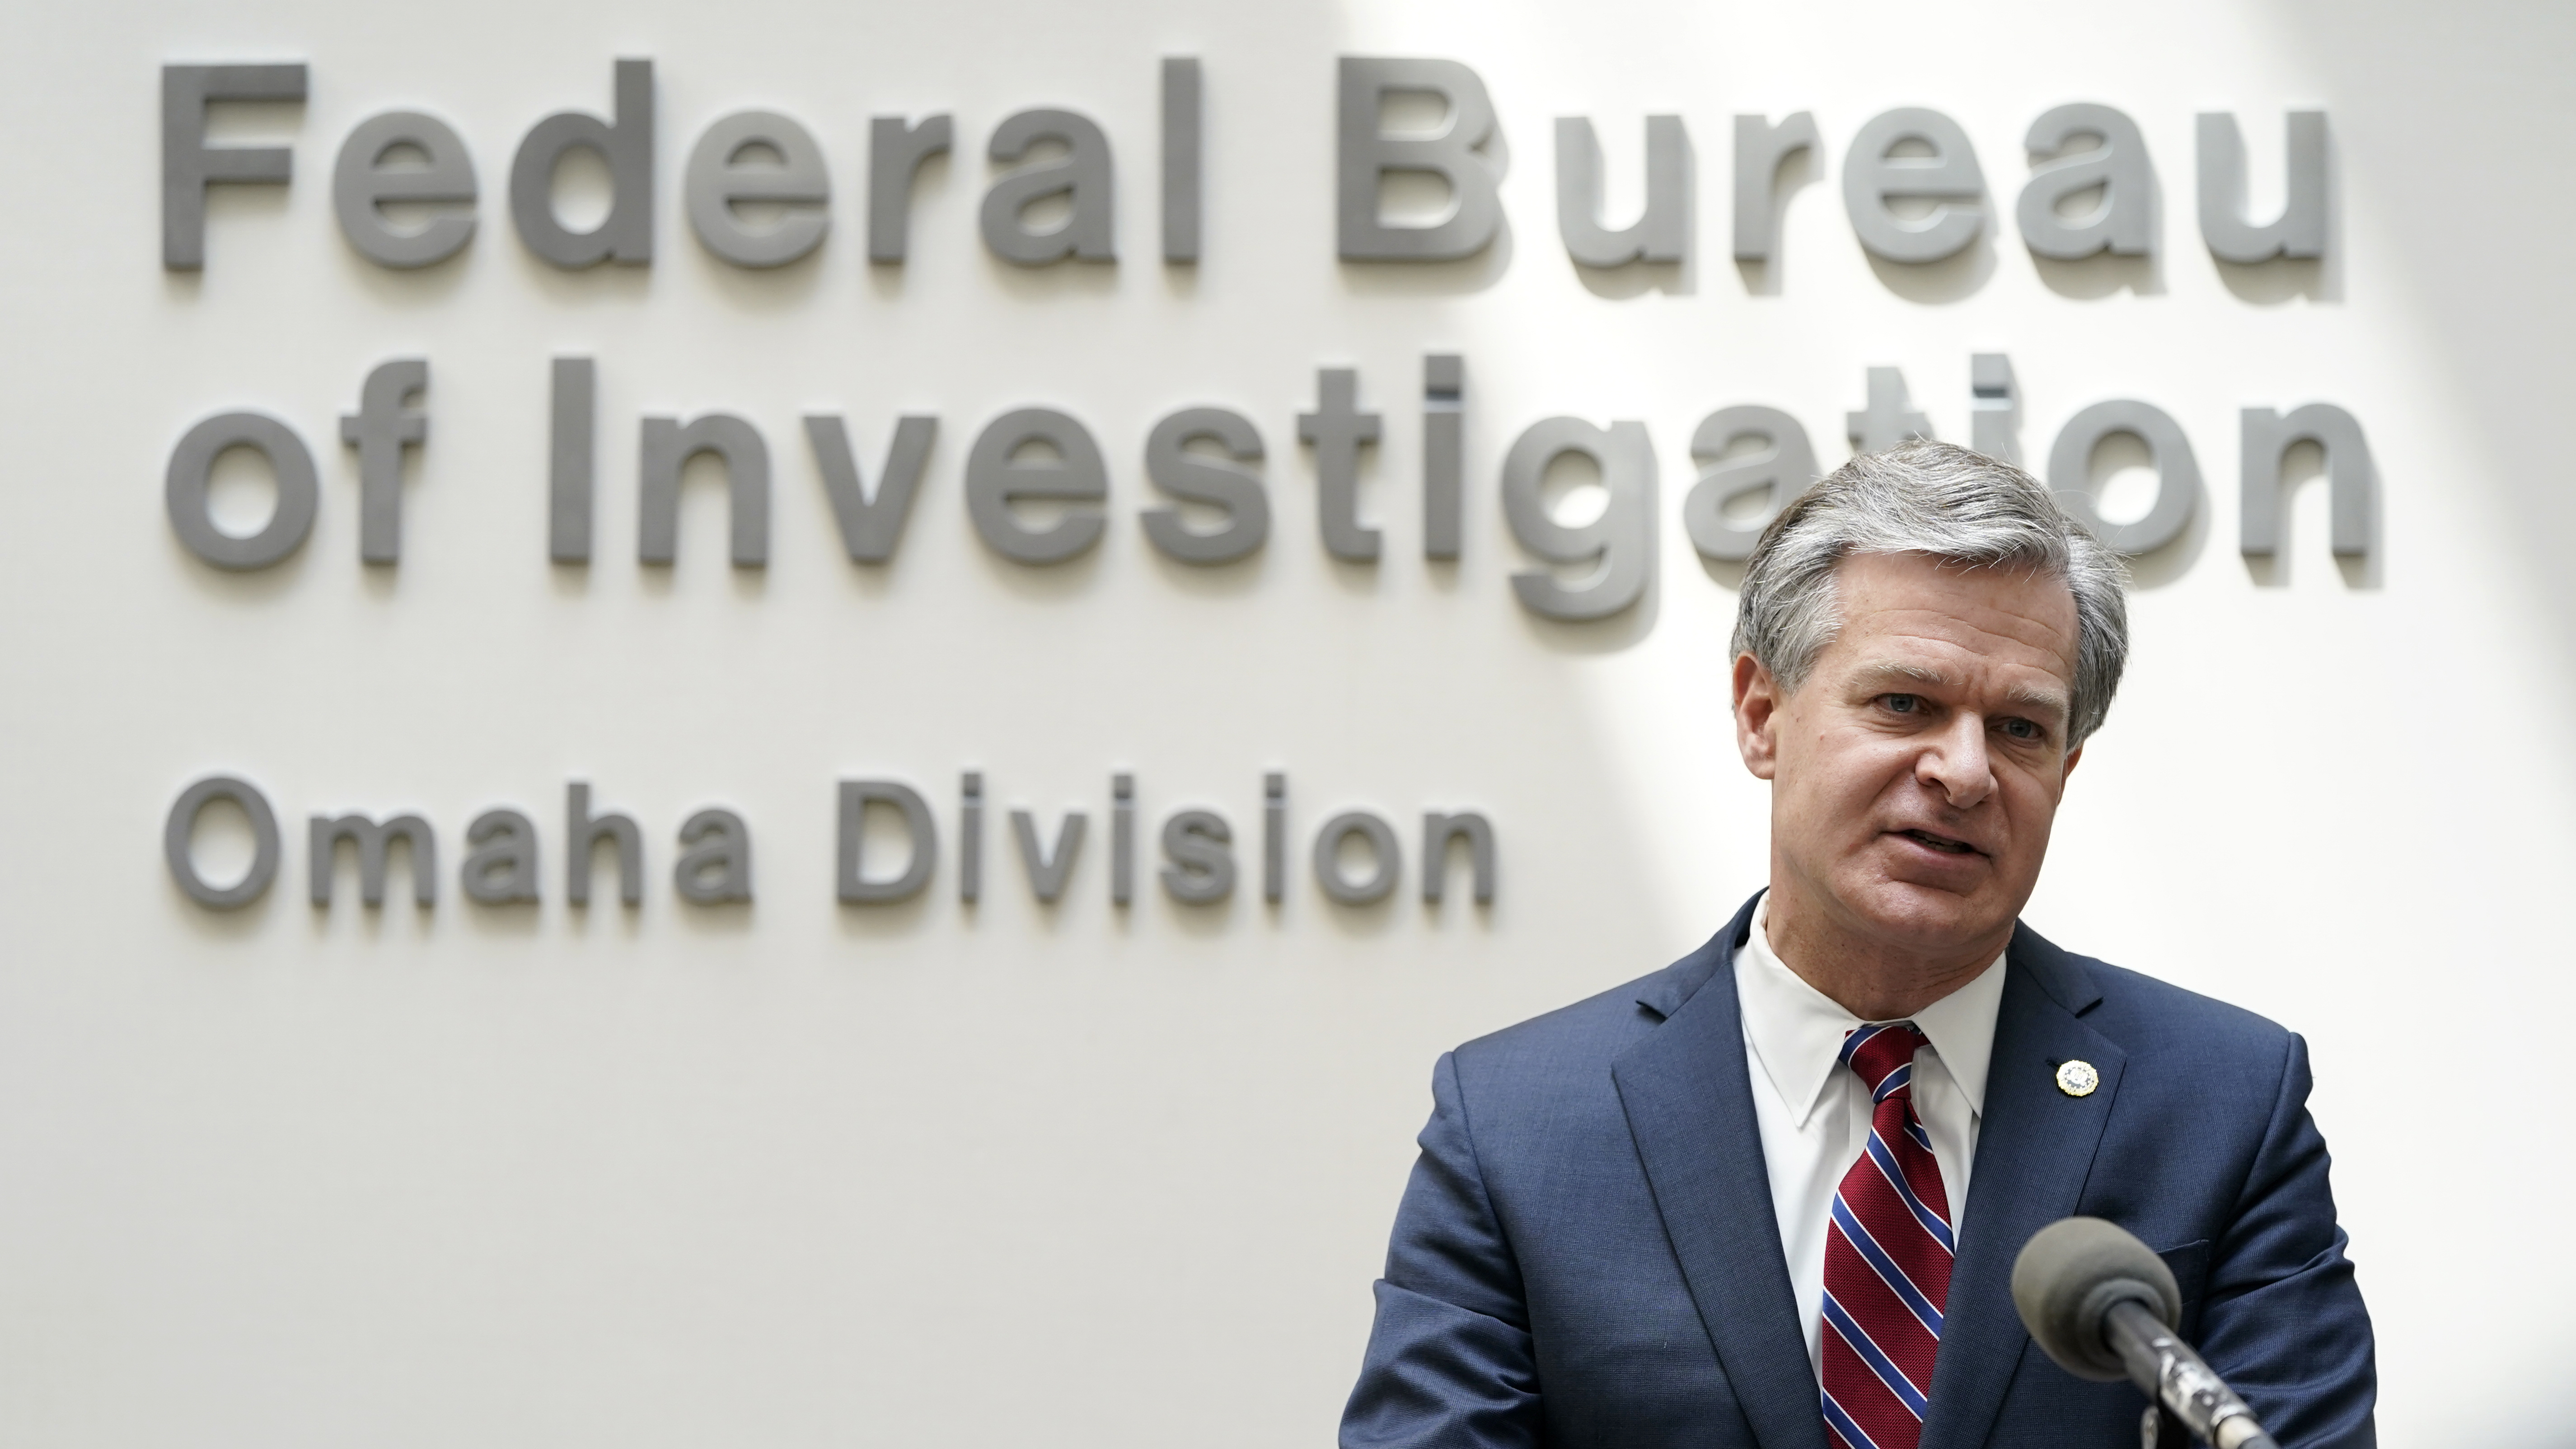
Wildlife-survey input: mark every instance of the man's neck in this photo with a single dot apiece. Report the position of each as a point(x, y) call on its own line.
point(1873, 979)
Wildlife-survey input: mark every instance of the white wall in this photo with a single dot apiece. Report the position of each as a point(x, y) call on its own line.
point(800, 1175)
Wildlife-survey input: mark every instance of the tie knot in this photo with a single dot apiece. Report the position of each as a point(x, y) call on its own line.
point(1883, 1056)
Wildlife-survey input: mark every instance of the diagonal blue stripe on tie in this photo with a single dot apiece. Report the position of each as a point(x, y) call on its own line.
point(1877, 1258)
point(1932, 1222)
point(1872, 1355)
point(1858, 1039)
point(1842, 1424)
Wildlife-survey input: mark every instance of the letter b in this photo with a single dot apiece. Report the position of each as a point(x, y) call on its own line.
point(1367, 153)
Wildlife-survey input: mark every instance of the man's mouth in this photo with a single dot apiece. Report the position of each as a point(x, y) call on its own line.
point(1947, 845)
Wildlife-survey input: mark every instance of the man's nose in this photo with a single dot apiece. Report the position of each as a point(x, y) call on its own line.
point(1955, 762)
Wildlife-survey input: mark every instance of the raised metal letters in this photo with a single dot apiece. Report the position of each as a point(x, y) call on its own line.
point(2070, 465)
point(2350, 478)
point(1661, 232)
point(1994, 408)
point(189, 165)
point(2300, 229)
point(1889, 419)
point(1621, 540)
point(1122, 838)
point(1048, 870)
point(970, 837)
point(871, 527)
point(896, 150)
point(2124, 223)
point(178, 834)
point(626, 233)
point(380, 429)
point(715, 867)
point(192, 467)
point(1444, 449)
point(1274, 836)
point(1084, 177)
point(373, 842)
point(1366, 153)
point(1871, 175)
point(666, 449)
point(855, 886)
point(1760, 148)
point(1182, 153)
point(996, 477)
point(1781, 470)
point(1200, 846)
point(715, 181)
point(501, 864)
point(1386, 859)
point(1338, 429)
point(583, 832)
point(360, 185)
point(1229, 487)
point(568, 459)
point(1437, 831)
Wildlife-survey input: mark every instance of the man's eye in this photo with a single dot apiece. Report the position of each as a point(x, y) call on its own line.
point(2021, 729)
point(1902, 703)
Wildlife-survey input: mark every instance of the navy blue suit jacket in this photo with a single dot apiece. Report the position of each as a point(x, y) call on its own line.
point(1586, 1254)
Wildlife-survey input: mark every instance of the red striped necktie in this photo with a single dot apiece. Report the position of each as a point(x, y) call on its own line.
point(1887, 1258)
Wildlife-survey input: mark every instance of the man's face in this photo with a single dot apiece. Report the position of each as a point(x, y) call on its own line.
point(1917, 769)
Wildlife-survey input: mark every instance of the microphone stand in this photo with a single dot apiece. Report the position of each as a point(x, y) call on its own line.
point(2166, 1369)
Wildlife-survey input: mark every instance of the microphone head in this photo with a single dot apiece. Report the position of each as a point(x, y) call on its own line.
point(2067, 1278)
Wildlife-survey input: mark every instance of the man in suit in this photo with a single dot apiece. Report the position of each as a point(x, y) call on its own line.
point(1771, 1195)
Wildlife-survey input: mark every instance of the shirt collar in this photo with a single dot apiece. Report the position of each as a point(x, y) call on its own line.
point(1797, 1032)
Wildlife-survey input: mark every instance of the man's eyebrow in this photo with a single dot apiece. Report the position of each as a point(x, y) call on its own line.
point(2045, 701)
point(1893, 672)
point(2049, 700)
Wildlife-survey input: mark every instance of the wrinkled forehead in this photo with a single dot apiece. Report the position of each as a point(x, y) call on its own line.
point(1911, 610)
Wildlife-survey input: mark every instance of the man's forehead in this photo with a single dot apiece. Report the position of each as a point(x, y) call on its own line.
point(1942, 649)
point(1913, 610)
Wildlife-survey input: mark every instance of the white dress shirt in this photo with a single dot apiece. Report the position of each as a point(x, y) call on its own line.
point(1814, 1113)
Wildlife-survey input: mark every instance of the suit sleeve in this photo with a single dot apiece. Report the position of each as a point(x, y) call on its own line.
point(2283, 1320)
point(1450, 1362)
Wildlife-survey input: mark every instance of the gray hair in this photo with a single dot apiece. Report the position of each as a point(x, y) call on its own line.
point(1955, 505)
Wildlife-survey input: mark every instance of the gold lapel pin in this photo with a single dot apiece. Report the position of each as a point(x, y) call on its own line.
point(2078, 1079)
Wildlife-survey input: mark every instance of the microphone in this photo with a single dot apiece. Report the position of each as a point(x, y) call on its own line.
point(2103, 1305)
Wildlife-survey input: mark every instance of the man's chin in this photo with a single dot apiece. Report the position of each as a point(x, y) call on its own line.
point(1929, 917)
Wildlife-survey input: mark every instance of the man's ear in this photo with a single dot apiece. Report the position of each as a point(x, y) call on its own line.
point(2074, 757)
point(1757, 710)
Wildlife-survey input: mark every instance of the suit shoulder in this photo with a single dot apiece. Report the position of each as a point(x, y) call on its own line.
point(1588, 1033)
point(2147, 1011)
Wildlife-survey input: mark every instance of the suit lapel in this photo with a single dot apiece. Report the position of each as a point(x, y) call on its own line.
point(1688, 1097)
point(2034, 1150)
